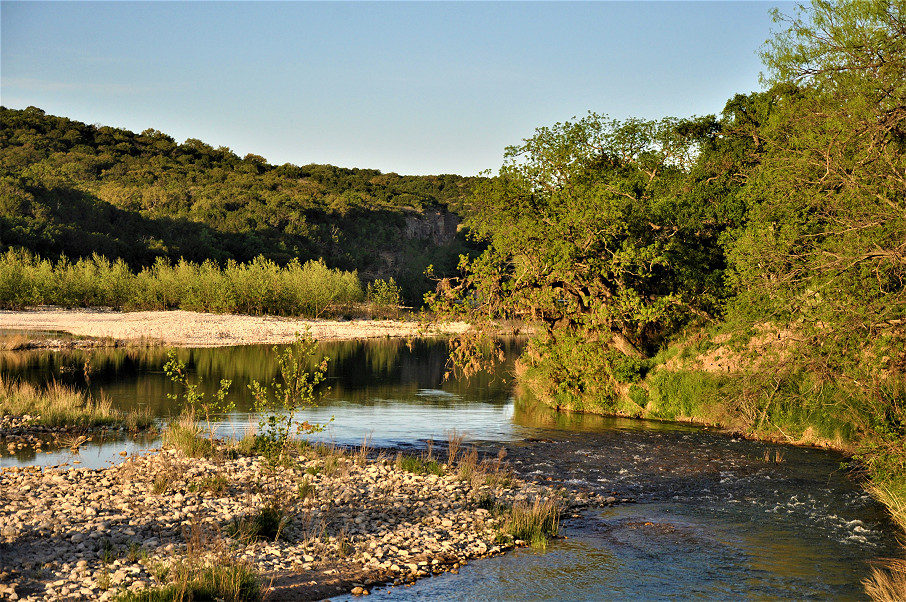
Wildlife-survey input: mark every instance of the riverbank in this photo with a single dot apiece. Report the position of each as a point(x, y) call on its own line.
point(343, 522)
point(194, 329)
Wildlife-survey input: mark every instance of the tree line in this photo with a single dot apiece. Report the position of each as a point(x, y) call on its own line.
point(75, 189)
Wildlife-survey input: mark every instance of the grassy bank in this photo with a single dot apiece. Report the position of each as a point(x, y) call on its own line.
point(754, 383)
point(62, 407)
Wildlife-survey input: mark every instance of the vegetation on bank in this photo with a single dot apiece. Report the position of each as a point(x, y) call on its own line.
point(259, 287)
point(75, 189)
point(747, 269)
point(59, 406)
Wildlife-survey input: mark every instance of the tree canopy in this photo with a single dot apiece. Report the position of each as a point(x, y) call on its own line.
point(789, 209)
point(78, 189)
point(825, 243)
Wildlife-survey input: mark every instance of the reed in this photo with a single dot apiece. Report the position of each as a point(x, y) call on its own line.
point(57, 406)
point(454, 445)
point(535, 523)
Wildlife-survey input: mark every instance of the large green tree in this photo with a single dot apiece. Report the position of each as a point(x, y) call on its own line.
point(598, 233)
point(825, 246)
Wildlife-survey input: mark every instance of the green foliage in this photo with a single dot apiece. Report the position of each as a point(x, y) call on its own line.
point(639, 396)
point(571, 372)
point(822, 252)
point(295, 390)
point(625, 368)
point(823, 248)
point(71, 188)
point(258, 287)
point(685, 394)
point(384, 296)
point(589, 227)
point(195, 402)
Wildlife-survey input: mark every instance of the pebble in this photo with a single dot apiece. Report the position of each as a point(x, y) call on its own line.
point(91, 533)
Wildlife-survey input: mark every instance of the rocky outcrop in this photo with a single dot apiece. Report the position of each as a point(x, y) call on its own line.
point(439, 226)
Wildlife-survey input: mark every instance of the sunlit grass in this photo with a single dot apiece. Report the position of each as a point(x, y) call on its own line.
point(534, 523)
point(186, 436)
point(227, 580)
point(60, 406)
point(887, 583)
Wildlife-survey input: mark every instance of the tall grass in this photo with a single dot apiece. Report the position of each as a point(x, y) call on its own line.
point(887, 582)
point(225, 579)
point(187, 436)
point(61, 406)
point(258, 287)
point(535, 523)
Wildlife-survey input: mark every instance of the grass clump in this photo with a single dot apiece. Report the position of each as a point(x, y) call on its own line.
point(265, 525)
point(226, 580)
point(214, 484)
point(185, 435)
point(61, 406)
point(535, 523)
point(419, 465)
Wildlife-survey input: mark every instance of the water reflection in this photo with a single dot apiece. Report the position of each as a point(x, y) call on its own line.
point(391, 392)
point(358, 371)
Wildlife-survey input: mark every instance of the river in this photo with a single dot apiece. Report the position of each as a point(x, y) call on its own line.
point(711, 517)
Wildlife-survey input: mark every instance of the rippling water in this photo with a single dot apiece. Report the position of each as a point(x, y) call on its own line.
point(712, 519)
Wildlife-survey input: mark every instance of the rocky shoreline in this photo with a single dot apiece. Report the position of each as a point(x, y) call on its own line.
point(351, 523)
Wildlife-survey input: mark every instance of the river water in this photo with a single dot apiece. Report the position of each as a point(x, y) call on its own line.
point(712, 517)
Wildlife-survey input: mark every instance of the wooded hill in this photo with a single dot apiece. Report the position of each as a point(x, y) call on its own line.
point(72, 188)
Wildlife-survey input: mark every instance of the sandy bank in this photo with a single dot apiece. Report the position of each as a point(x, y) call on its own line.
point(192, 329)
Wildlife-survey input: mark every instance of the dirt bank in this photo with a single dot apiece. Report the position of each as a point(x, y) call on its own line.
point(192, 329)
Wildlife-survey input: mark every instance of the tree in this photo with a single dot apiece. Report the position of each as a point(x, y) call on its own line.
point(590, 235)
point(825, 247)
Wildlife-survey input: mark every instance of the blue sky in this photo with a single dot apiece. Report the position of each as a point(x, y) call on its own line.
point(408, 87)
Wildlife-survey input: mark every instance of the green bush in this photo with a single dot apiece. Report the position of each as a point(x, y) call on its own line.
point(384, 296)
point(258, 287)
point(625, 368)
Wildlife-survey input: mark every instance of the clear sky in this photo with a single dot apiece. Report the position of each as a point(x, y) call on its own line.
point(407, 87)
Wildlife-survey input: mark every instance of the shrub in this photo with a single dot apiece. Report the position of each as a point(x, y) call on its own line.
point(294, 390)
point(257, 287)
point(384, 297)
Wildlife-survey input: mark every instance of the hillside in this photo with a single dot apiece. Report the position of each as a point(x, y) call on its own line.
point(71, 188)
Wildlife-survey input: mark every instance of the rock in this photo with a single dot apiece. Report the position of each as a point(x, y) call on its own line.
point(403, 525)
